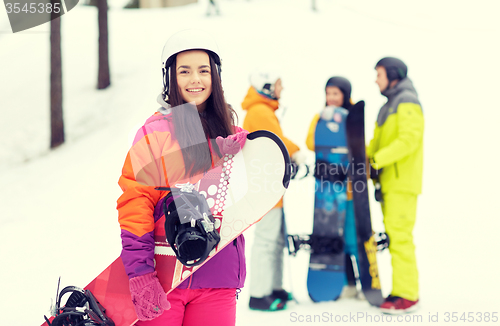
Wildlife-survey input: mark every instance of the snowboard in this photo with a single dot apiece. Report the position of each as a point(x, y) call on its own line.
point(240, 189)
point(367, 245)
point(326, 273)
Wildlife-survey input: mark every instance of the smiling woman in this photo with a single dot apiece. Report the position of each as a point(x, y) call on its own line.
point(191, 73)
point(180, 139)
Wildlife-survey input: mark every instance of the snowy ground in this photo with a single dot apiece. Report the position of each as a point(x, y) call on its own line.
point(58, 214)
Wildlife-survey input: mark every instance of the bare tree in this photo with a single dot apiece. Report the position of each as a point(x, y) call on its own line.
point(103, 79)
point(56, 107)
point(132, 4)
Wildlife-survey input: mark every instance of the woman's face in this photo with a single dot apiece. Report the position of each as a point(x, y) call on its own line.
point(334, 96)
point(194, 77)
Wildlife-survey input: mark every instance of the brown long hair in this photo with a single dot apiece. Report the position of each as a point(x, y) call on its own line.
point(217, 120)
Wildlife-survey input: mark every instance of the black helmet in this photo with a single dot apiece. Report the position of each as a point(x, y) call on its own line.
point(344, 85)
point(190, 226)
point(394, 67)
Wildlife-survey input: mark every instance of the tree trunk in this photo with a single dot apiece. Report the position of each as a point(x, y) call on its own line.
point(132, 4)
point(103, 79)
point(56, 107)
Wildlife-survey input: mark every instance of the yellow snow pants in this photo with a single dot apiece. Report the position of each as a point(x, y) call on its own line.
point(400, 210)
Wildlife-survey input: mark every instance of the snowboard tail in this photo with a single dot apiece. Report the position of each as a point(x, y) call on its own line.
point(324, 284)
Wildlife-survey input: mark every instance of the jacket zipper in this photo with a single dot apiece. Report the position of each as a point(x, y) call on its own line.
point(396, 169)
point(235, 243)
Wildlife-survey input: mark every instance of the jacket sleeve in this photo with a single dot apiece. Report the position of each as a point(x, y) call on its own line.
point(136, 206)
point(410, 122)
point(370, 149)
point(264, 118)
point(311, 132)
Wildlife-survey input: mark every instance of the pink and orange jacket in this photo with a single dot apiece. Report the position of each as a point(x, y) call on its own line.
point(139, 207)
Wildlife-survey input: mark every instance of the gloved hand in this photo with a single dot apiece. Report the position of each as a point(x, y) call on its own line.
point(298, 158)
point(148, 296)
point(232, 144)
point(374, 172)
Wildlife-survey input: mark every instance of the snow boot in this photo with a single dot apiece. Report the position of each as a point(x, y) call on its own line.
point(267, 303)
point(283, 295)
point(394, 305)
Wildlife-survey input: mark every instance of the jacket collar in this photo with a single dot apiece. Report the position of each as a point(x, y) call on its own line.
point(403, 84)
point(253, 97)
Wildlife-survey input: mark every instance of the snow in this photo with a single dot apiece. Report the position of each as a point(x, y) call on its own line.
point(58, 215)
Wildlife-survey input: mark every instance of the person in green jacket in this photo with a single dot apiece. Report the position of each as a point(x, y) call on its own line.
point(396, 162)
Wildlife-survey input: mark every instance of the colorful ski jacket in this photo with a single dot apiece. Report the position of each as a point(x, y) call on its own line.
point(261, 116)
point(311, 145)
point(139, 208)
point(312, 127)
point(310, 133)
point(397, 144)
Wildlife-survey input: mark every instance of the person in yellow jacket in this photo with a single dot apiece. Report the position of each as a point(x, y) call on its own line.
point(396, 159)
point(338, 94)
point(266, 264)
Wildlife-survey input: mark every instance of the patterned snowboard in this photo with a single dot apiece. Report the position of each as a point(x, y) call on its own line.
point(240, 189)
point(326, 274)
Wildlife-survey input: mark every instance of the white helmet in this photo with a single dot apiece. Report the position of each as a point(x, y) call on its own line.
point(263, 82)
point(189, 39)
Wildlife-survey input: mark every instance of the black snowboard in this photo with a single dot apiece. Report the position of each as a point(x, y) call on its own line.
point(367, 246)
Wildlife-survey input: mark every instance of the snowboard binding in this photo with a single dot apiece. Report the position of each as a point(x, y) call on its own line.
point(189, 225)
point(81, 309)
point(316, 244)
point(295, 243)
point(324, 245)
point(382, 241)
point(331, 172)
point(378, 192)
point(295, 170)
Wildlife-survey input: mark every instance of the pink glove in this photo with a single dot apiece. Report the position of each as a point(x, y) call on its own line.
point(148, 296)
point(232, 144)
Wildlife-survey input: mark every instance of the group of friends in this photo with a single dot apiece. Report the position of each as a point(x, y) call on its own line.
point(395, 155)
point(192, 74)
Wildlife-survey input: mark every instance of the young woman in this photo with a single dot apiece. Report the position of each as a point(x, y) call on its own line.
point(176, 145)
point(338, 95)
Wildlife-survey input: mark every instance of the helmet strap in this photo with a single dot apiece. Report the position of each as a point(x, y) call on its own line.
point(166, 81)
point(219, 71)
